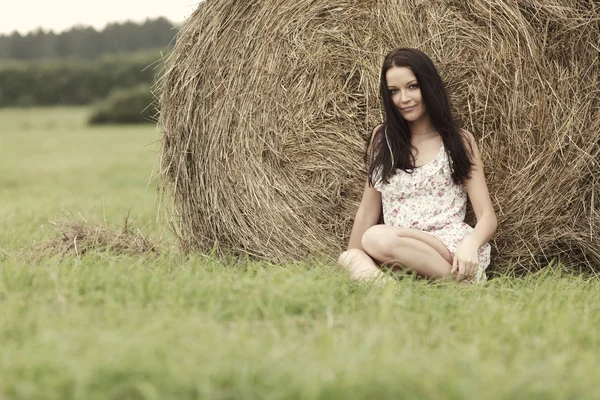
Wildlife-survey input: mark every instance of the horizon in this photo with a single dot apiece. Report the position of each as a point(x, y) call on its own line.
point(80, 25)
point(97, 16)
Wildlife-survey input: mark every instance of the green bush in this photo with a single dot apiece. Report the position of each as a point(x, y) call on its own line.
point(125, 106)
point(74, 82)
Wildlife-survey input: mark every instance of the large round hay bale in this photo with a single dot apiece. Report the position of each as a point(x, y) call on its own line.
point(265, 108)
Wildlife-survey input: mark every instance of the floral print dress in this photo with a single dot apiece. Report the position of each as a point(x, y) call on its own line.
point(428, 200)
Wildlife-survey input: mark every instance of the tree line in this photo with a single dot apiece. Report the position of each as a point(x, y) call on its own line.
point(86, 43)
point(75, 82)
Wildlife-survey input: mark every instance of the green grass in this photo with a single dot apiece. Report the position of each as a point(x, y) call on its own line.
point(52, 164)
point(107, 326)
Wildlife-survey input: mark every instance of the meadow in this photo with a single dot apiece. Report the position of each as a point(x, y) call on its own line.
point(112, 326)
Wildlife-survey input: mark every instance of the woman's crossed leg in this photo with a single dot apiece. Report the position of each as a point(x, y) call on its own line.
point(404, 248)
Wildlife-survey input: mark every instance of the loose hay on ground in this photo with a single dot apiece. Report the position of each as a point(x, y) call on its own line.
point(78, 237)
point(266, 107)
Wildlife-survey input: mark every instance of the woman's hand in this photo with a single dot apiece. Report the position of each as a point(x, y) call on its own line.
point(466, 260)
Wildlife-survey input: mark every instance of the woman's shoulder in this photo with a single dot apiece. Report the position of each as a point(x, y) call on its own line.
point(376, 133)
point(466, 135)
point(373, 143)
point(468, 139)
point(372, 152)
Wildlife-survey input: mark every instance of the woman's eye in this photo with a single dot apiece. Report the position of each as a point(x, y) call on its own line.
point(413, 86)
point(393, 91)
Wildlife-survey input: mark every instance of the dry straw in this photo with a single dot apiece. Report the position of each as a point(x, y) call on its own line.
point(265, 108)
point(78, 237)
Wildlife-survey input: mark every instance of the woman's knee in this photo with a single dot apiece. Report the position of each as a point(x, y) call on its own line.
point(374, 240)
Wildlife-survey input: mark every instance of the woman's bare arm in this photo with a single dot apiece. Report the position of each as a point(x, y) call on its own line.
point(367, 215)
point(369, 210)
point(479, 197)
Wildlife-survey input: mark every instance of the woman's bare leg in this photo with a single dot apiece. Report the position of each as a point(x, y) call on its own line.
point(408, 249)
point(361, 267)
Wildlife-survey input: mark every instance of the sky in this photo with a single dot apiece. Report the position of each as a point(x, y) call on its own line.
point(59, 15)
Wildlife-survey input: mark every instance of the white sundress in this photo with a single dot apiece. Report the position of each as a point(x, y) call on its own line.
point(428, 200)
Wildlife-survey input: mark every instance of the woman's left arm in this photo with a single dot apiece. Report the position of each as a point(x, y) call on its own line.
point(479, 197)
point(466, 257)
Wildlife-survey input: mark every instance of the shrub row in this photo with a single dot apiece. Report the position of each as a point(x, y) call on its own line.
point(74, 82)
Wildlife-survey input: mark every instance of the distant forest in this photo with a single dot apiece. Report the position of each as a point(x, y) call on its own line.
point(86, 43)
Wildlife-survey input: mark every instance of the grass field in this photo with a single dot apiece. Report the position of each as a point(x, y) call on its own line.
point(108, 326)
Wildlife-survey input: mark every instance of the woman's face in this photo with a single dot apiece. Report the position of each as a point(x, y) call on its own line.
point(406, 93)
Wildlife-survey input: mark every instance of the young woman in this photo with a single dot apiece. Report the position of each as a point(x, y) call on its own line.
point(421, 168)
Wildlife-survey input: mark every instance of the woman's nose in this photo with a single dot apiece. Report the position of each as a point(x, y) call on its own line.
point(404, 97)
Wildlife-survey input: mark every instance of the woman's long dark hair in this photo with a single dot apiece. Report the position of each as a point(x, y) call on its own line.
point(394, 134)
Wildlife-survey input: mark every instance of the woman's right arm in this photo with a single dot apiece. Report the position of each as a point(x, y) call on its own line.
point(369, 210)
point(367, 216)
